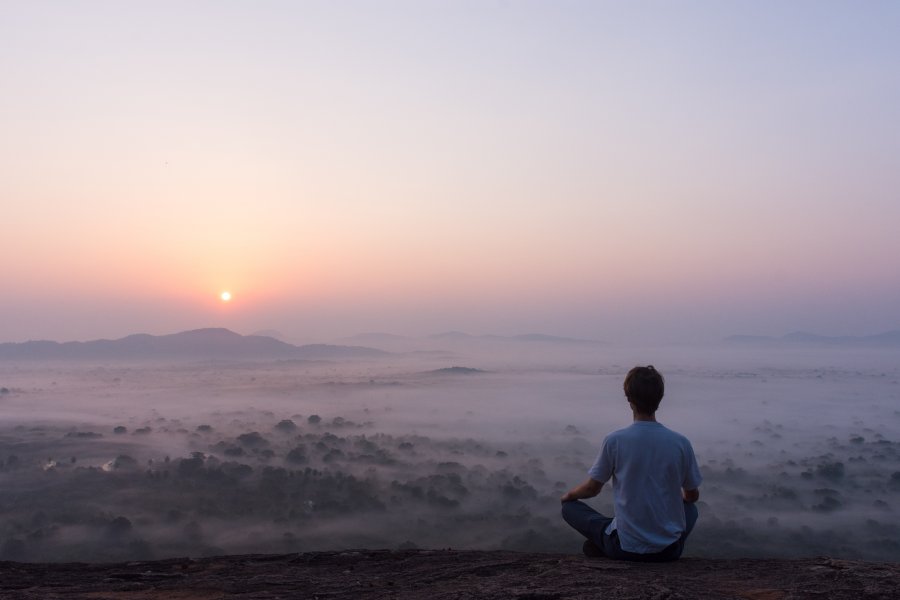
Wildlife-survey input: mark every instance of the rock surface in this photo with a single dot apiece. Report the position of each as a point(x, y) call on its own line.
point(437, 574)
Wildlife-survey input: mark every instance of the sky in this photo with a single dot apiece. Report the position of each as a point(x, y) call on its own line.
point(640, 171)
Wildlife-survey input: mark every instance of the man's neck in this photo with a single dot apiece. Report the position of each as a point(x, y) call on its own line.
point(644, 417)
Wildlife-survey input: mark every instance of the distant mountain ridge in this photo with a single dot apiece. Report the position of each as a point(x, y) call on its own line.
point(381, 337)
point(887, 338)
point(374, 337)
point(209, 343)
point(524, 337)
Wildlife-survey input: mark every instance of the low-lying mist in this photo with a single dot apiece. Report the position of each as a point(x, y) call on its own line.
point(107, 460)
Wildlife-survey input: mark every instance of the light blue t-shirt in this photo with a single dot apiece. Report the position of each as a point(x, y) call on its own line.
point(649, 465)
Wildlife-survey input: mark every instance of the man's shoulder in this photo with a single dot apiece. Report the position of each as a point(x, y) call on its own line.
point(680, 438)
point(673, 432)
point(648, 430)
point(624, 432)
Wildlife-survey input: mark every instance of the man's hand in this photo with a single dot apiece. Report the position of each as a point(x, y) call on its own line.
point(588, 489)
point(690, 496)
point(568, 497)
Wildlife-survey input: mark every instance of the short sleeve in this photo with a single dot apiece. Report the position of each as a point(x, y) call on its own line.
point(602, 468)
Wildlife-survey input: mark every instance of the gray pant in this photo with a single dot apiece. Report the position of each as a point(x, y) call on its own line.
point(592, 525)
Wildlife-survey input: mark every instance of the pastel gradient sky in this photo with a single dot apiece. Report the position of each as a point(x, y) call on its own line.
point(627, 171)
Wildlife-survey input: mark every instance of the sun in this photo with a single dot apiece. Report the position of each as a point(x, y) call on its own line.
point(225, 296)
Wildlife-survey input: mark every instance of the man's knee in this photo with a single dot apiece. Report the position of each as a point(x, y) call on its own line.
point(570, 509)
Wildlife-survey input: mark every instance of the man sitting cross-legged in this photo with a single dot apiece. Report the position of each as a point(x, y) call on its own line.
point(655, 482)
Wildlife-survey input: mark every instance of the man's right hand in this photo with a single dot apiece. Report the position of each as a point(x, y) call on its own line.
point(588, 489)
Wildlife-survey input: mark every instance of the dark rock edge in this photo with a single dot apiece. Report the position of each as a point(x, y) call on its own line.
point(437, 574)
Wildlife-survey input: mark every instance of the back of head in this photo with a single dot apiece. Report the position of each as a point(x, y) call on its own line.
point(644, 387)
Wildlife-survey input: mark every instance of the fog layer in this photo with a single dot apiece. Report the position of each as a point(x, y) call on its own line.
point(112, 460)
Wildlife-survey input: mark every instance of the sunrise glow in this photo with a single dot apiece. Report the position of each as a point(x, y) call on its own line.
point(605, 170)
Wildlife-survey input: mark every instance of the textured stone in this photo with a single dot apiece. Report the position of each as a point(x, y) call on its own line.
point(440, 574)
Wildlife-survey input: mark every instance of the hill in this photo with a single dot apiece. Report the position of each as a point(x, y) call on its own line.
point(211, 343)
point(438, 574)
point(456, 371)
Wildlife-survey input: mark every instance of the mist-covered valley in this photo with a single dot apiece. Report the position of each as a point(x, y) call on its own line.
point(461, 443)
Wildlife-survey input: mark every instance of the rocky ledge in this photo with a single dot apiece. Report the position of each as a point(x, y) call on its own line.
point(436, 574)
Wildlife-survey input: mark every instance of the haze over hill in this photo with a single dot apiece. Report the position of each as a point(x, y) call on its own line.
point(458, 341)
point(385, 337)
point(887, 338)
point(210, 343)
point(523, 337)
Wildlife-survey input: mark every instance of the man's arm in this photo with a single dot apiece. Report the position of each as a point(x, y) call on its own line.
point(588, 489)
point(690, 496)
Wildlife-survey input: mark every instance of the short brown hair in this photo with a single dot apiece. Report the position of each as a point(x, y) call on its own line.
point(644, 387)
